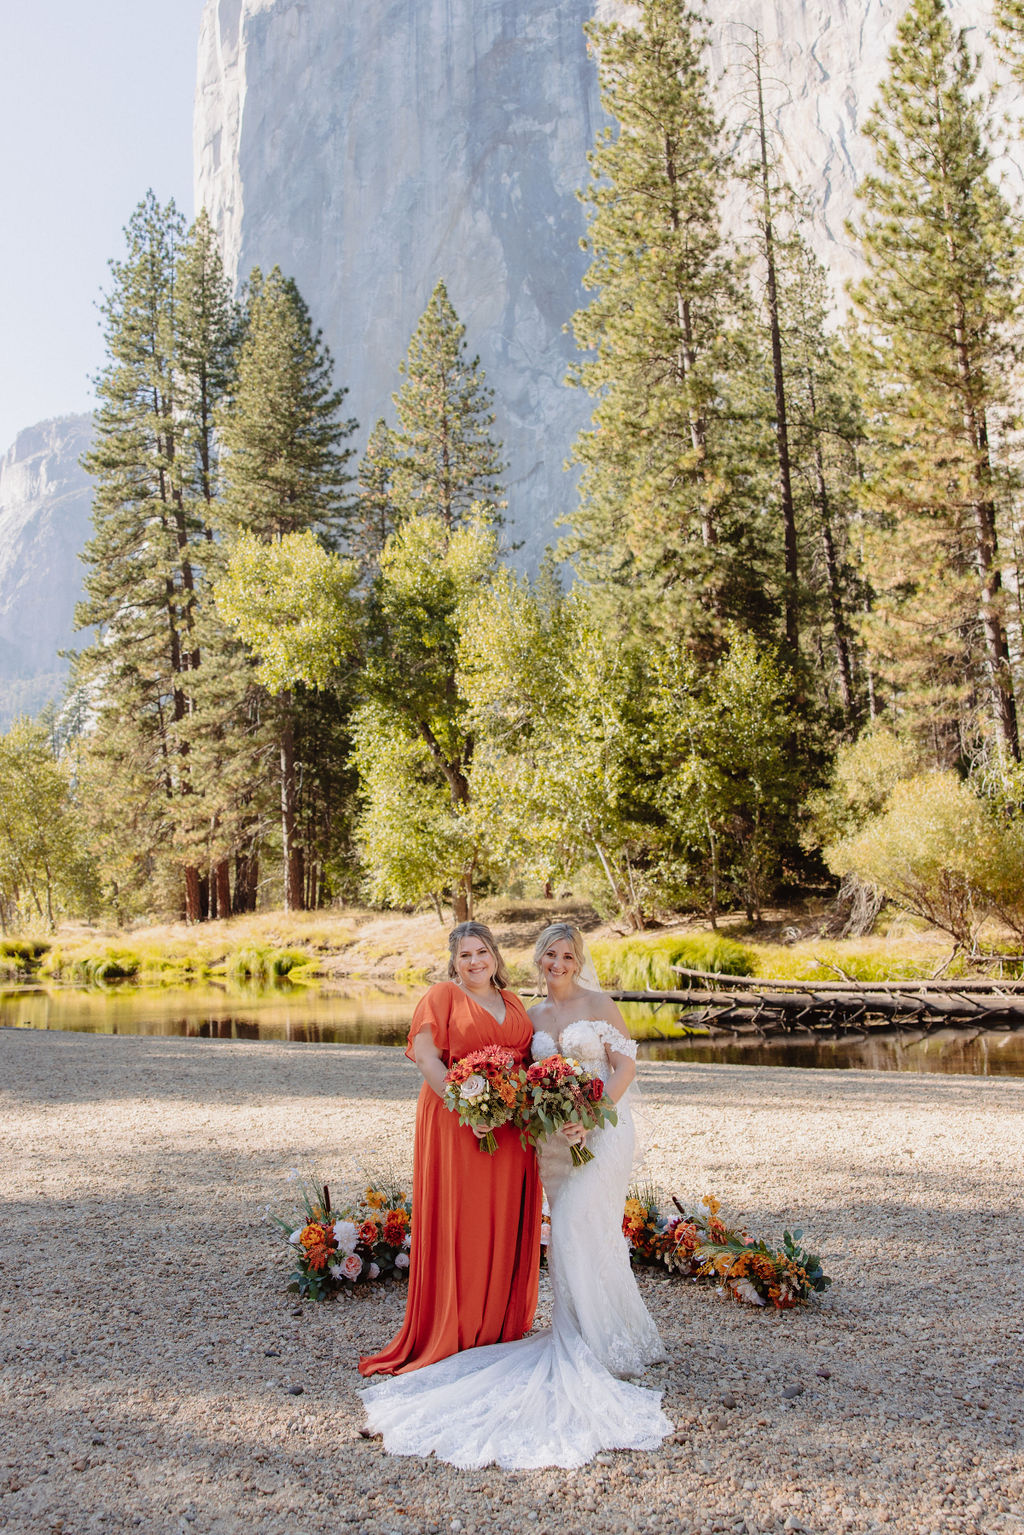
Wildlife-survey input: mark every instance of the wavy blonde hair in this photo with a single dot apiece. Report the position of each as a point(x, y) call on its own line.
point(567, 933)
point(477, 930)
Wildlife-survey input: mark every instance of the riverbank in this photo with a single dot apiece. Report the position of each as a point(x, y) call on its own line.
point(148, 1346)
point(350, 946)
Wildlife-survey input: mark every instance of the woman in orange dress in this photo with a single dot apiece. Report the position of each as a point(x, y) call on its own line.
point(475, 1255)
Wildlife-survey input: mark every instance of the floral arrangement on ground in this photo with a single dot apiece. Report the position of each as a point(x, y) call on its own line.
point(701, 1246)
point(337, 1247)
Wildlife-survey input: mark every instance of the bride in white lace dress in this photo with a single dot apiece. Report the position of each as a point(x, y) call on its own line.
point(556, 1397)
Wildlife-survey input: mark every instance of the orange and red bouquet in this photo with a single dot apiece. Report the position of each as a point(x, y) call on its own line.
point(481, 1088)
point(558, 1091)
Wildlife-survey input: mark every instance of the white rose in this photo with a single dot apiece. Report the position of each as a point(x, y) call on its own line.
point(745, 1290)
point(402, 1261)
point(474, 1087)
point(296, 1237)
point(346, 1236)
point(373, 1271)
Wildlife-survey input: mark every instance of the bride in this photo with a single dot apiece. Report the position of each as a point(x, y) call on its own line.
point(556, 1397)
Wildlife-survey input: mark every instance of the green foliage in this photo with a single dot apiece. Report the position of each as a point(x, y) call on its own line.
point(290, 601)
point(926, 851)
point(442, 460)
point(728, 766)
point(864, 774)
point(46, 870)
point(937, 347)
point(638, 963)
point(266, 964)
point(669, 527)
point(286, 467)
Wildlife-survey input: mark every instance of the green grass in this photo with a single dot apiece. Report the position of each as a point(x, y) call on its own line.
point(837, 961)
point(638, 963)
point(264, 964)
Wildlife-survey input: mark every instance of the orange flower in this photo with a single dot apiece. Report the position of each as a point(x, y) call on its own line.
point(318, 1256)
point(311, 1235)
point(368, 1231)
point(375, 1199)
point(398, 1214)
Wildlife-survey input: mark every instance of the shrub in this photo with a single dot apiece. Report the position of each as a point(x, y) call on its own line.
point(927, 851)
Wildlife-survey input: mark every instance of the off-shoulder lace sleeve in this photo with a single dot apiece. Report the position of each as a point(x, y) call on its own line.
point(543, 1046)
point(615, 1039)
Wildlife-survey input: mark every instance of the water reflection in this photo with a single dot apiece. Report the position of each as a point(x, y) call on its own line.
point(307, 1016)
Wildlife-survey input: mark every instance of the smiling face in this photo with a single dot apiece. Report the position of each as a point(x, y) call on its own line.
point(558, 961)
point(474, 963)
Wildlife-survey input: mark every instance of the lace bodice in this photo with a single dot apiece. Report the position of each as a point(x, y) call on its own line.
point(585, 1041)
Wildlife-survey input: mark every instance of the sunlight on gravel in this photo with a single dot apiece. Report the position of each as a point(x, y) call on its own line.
point(147, 1346)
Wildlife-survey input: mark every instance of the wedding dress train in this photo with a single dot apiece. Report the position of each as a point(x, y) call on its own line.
point(554, 1398)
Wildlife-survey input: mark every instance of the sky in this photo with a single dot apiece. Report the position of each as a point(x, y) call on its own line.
point(95, 107)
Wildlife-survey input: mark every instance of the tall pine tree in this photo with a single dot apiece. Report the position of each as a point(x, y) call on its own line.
point(443, 455)
point(151, 518)
point(285, 472)
point(670, 523)
point(937, 311)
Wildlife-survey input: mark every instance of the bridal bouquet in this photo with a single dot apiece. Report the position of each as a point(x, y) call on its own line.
point(482, 1090)
point(558, 1091)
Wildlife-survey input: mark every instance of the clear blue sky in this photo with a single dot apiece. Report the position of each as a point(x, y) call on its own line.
point(95, 106)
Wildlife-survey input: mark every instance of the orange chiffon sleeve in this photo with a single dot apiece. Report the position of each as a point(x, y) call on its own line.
point(434, 1012)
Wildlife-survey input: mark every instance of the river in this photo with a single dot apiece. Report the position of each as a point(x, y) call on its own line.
point(306, 1015)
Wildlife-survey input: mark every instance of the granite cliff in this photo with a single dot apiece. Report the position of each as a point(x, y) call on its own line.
point(370, 149)
point(45, 505)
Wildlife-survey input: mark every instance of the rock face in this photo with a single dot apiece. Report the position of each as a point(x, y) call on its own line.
point(369, 149)
point(45, 504)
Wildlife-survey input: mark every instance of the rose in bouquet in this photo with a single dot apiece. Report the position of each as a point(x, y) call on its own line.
point(558, 1091)
point(482, 1090)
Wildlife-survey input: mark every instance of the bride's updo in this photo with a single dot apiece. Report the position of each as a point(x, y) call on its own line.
point(561, 932)
point(501, 977)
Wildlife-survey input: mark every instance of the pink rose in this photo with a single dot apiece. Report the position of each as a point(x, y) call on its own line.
point(352, 1266)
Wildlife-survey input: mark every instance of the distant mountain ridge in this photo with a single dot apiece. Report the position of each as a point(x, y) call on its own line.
point(45, 520)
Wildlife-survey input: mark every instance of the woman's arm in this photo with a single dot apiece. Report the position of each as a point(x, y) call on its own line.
point(429, 1060)
point(431, 1063)
point(623, 1072)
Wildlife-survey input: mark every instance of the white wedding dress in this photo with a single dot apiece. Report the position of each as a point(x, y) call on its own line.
point(556, 1397)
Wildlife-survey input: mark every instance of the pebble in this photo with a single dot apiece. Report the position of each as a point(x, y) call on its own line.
point(728, 1400)
point(157, 1142)
point(795, 1388)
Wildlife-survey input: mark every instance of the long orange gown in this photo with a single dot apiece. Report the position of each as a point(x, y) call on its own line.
point(475, 1256)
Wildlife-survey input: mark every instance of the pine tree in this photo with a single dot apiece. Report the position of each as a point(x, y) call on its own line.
point(374, 517)
point(282, 434)
point(937, 310)
point(141, 585)
point(285, 473)
point(670, 522)
point(444, 459)
point(824, 431)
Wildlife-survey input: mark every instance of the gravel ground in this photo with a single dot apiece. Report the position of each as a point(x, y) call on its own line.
point(147, 1346)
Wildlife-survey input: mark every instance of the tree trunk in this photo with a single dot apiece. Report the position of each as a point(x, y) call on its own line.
point(840, 627)
point(790, 587)
point(291, 853)
point(247, 868)
point(192, 896)
point(222, 887)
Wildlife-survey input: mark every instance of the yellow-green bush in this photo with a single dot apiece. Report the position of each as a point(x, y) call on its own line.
point(266, 964)
point(638, 963)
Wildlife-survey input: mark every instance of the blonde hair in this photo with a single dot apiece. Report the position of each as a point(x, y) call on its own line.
point(568, 934)
point(477, 930)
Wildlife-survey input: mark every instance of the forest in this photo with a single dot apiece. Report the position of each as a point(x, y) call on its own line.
point(778, 640)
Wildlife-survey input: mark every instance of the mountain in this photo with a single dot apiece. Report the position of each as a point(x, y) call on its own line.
point(370, 149)
point(45, 505)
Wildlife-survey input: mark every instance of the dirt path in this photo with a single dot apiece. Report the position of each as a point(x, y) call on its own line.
point(146, 1345)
